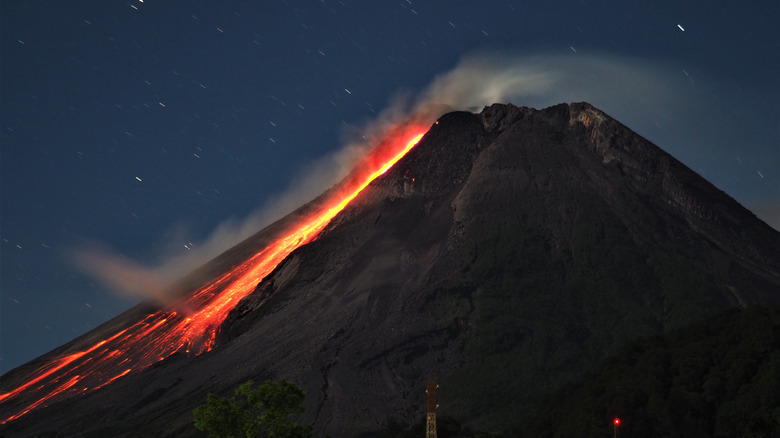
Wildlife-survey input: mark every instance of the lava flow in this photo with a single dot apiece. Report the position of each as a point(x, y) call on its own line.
point(160, 334)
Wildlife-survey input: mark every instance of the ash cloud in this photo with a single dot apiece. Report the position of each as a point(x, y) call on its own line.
point(769, 212)
point(630, 89)
point(124, 276)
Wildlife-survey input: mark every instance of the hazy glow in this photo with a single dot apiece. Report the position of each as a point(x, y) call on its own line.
point(168, 331)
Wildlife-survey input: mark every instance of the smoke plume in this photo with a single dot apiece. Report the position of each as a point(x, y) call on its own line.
point(629, 89)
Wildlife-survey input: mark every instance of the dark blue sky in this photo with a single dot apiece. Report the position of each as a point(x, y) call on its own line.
point(143, 125)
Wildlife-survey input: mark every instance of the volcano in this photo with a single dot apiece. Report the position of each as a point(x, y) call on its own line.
point(505, 255)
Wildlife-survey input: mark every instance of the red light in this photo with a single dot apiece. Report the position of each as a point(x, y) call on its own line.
point(616, 421)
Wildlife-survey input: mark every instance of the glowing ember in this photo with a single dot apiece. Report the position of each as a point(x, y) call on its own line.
point(160, 334)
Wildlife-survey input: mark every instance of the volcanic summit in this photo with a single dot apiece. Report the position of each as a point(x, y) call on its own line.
point(505, 255)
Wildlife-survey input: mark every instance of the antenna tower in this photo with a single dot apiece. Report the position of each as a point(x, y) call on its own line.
point(430, 426)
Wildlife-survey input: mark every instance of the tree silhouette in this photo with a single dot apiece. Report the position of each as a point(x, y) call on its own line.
point(263, 411)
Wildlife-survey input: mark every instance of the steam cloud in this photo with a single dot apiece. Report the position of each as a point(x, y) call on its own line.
point(125, 276)
point(630, 89)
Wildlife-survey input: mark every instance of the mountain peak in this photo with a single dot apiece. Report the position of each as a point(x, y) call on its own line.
point(505, 255)
point(650, 173)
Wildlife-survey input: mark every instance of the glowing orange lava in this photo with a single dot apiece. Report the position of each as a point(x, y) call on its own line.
point(158, 335)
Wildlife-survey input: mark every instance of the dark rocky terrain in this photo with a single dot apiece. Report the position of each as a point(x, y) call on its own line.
point(505, 256)
point(717, 378)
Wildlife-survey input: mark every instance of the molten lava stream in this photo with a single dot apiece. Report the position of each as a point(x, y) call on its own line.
point(160, 334)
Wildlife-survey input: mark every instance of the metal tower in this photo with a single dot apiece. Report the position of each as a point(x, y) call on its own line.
point(430, 427)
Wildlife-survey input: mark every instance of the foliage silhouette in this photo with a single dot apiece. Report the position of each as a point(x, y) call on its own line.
point(261, 411)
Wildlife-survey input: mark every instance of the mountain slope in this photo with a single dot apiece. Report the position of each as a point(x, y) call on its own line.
point(713, 379)
point(507, 254)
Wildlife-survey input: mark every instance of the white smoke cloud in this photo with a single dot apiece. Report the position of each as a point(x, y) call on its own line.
point(633, 89)
point(124, 276)
point(630, 89)
point(769, 212)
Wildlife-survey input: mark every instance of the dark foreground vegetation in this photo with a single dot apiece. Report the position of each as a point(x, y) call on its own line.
point(262, 411)
point(446, 427)
point(720, 378)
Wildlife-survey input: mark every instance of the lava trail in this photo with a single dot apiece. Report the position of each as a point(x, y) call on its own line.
point(162, 333)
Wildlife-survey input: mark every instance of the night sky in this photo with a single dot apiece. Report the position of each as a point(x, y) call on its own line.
point(144, 126)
